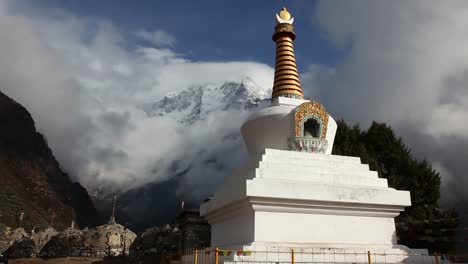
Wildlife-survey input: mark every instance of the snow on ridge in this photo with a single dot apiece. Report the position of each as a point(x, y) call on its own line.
point(197, 102)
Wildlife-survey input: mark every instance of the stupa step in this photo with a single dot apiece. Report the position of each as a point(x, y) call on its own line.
point(309, 170)
point(392, 201)
point(314, 163)
point(310, 156)
point(327, 178)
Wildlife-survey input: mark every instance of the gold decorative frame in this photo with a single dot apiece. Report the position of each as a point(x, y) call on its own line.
point(306, 110)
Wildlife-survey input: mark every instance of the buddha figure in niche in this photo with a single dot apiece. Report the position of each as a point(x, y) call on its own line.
point(311, 128)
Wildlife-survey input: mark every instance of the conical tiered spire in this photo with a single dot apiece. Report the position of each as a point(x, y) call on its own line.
point(286, 83)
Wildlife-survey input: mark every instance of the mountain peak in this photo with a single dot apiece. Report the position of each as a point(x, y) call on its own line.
point(196, 102)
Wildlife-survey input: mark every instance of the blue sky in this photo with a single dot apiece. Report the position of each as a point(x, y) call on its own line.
point(206, 30)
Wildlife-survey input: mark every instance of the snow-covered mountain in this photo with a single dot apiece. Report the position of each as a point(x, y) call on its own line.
point(194, 174)
point(198, 102)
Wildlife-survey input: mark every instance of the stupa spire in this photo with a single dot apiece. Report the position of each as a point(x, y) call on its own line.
point(286, 82)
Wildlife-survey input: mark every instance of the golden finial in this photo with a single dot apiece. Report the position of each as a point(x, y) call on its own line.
point(284, 14)
point(286, 82)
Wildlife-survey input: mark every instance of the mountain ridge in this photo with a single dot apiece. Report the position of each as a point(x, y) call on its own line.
point(32, 182)
point(197, 101)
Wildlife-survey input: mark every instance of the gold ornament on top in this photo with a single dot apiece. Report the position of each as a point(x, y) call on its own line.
point(284, 17)
point(284, 14)
point(310, 108)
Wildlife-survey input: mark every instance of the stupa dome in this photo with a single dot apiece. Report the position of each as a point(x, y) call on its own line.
point(290, 124)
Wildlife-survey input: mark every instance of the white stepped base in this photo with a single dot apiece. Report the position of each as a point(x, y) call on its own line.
point(308, 156)
point(331, 169)
point(326, 178)
point(288, 197)
point(313, 163)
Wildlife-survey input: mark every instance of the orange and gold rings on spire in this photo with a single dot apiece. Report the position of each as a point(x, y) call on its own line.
point(286, 82)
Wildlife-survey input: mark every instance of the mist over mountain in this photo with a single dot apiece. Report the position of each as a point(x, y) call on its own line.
point(193, 176)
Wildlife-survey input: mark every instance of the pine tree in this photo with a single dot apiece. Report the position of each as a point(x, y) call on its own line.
point(423, 224)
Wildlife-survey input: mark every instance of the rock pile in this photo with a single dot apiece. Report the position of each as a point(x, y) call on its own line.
point(41, 238)
point(24, 248)
point(101, 241)
point(66, 243)
point(8, 237)
point(30, 246)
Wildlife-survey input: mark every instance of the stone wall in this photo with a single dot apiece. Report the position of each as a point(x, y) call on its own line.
point(196, 232)
point(189, 230)
point(101, 241)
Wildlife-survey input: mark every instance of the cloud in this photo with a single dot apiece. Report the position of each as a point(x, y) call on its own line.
point(407, 65)
point(158, 38)
point(85, 90)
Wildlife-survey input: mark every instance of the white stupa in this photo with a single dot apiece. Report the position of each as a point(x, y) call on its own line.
point(292, 193)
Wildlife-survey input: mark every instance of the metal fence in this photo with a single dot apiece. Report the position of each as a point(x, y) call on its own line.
point(306, 255)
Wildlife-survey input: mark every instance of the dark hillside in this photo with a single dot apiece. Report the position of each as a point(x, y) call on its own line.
point(31, 180)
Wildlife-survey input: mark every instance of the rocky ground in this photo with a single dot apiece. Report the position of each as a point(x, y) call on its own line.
point(55, 261)
point(70, 260)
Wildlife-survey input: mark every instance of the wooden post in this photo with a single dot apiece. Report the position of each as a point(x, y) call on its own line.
point(125, 240)
point(436, 258)
point(195, 256)
point(53, 218)
point(21, 219)
point(162, 258)
point(112, 220)
point(216, 255)
point(292, 256)
point(369, 259)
